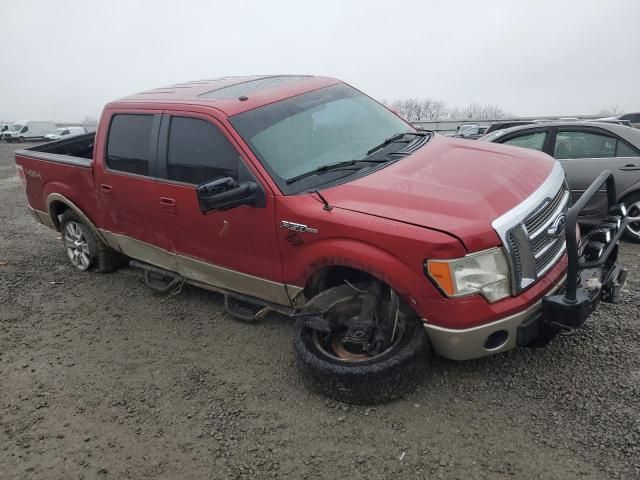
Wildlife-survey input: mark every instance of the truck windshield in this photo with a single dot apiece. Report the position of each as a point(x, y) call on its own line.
point(327, 126)
point(15, 128)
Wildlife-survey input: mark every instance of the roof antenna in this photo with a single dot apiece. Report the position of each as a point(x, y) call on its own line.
point(326, 207)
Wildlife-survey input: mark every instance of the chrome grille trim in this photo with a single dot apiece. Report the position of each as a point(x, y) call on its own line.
point(531, 252)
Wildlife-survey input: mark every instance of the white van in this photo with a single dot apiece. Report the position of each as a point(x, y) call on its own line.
point(65, 132)
point(4, 126)
point(23, 130)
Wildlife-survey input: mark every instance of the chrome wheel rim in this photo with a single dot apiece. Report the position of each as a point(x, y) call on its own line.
point(77, 246)
point(634, 227)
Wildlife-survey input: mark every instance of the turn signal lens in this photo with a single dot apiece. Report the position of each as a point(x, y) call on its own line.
point(441, 273)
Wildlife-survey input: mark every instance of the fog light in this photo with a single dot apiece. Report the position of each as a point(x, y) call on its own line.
point(496, 340)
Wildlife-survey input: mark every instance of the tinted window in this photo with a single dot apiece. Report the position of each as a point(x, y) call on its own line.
point(129, 144)
point(584, 145)
point(199, 152)
point(625, 150)
point(25, 129)
point(534, 141)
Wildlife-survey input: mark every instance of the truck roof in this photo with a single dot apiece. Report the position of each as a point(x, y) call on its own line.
point(231, 95)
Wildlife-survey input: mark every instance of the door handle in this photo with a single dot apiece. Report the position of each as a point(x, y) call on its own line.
point(630, 166)
point(168, 205)
point(106, 188)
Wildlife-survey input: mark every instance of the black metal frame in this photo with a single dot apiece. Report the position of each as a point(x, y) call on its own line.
point(575, 263)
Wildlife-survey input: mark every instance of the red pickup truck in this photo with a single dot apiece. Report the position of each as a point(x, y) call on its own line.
point(301, 195)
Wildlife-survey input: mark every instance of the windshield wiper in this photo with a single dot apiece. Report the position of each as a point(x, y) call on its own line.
point(333, 166)
point(395, 138)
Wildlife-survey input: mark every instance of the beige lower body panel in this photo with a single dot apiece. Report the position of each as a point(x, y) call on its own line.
point(202, 272)
point(42, 217)
point(470, 343)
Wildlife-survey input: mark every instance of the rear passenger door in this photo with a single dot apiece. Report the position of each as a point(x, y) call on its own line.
point(126, 185)
point(236, 249)
point(585, 152)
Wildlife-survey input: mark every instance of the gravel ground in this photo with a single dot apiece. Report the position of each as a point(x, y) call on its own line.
point(102, 378)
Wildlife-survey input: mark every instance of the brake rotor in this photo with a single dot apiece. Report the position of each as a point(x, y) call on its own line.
point(339, 349)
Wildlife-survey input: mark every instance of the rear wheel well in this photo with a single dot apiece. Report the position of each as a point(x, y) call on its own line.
point(56, 209)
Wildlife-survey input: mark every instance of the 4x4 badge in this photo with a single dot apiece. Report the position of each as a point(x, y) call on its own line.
point(297, 227)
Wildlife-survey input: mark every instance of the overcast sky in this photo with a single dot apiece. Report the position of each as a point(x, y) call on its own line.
point(64, 59)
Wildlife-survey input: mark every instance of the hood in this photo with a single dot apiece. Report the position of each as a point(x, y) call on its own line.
point(455, 186)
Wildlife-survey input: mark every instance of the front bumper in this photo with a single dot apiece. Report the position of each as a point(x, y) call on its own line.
point(591, 277)
point(489, 339)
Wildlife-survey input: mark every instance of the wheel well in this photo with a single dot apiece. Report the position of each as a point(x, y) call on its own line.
point(56, 209)
point(333, 276)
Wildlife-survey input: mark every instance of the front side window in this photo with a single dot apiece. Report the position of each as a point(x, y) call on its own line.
point(64, 132)
point(25, 129)
point(534, 141)
point(199, 152)
point(584, 145)
point(129, 143)
point(330, 125)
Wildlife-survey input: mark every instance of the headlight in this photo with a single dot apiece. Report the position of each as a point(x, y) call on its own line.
point(485, 273)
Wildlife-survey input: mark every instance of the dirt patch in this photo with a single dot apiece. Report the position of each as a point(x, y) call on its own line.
point(99, 378)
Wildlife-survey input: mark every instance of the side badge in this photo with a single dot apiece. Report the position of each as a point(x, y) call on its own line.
point(297, 227)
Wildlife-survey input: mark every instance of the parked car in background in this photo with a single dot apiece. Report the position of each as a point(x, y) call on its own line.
point(24, 130)
point(632, 118)
point(585, 149)
point(471, 132)
point(65, 132)
point(568, 119)
point(502, 125)
point(4, 126)
point(626, 123)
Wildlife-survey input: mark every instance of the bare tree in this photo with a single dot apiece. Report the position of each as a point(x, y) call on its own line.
point(610, 111)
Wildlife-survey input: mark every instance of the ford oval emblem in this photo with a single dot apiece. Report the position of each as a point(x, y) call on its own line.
point(557, 227)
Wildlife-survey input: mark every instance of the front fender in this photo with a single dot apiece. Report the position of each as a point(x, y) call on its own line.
point(407, 280)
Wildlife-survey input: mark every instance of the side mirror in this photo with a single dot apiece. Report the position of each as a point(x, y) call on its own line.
point(225, 193)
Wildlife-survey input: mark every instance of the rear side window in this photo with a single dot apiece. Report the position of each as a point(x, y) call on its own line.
point(571, 145)
point(534, 141)
point(199, 152)
point(129, 143)
point(625, 150)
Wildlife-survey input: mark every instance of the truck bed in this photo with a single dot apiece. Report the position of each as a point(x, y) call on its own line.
point(64, 168)
point(76, 151)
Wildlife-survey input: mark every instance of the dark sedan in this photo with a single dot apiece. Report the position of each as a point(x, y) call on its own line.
point(585, 149)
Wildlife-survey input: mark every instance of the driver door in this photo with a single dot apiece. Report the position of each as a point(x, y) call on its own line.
point(235, 249)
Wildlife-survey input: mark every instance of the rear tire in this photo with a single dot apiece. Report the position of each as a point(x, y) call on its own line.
point(378, 379)
point(632, 203)
point(85, 249)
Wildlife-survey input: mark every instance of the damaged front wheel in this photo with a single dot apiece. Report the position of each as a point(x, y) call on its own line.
point(359, 346)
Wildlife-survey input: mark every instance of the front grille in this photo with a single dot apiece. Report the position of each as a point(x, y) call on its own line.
point(533, 249)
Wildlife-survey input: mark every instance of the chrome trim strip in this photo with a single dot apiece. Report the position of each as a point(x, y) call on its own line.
point(517, 214)
point(202, 272)
point(555, 260)
point(545, 249)
point(468, 343)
